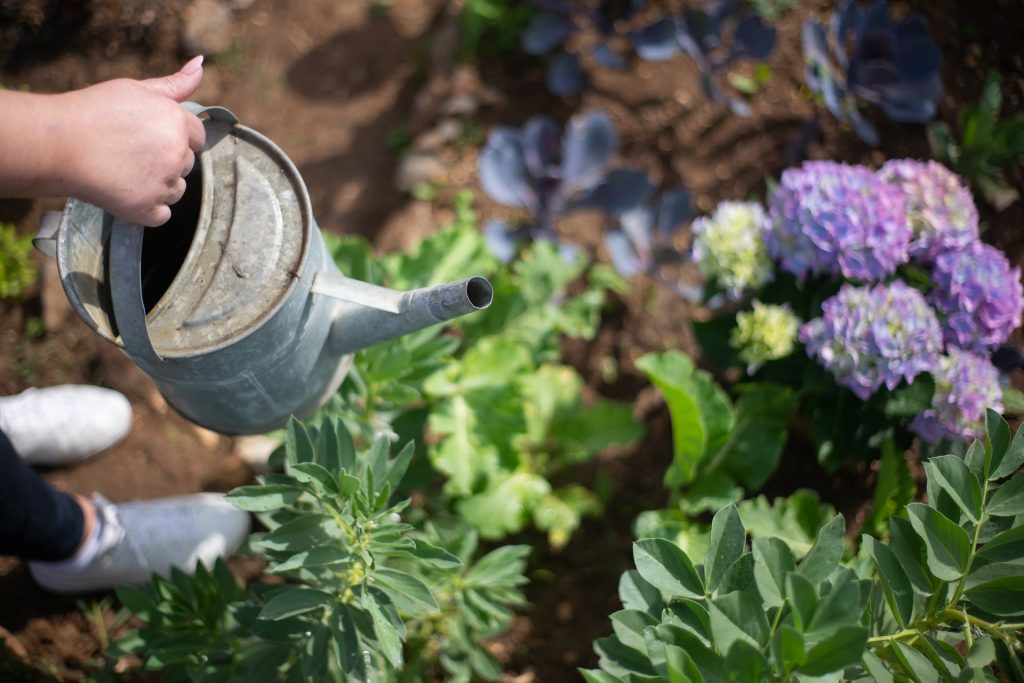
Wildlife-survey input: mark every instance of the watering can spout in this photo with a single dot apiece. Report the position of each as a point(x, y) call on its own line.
point(368, 314)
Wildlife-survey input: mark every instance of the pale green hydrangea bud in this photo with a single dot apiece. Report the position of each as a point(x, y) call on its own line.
point(766, 332)
point(729, 246)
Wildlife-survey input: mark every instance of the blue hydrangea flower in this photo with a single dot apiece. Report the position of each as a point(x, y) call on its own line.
point(965, 385)
point(728, 245)
point(979, 294)
point(940, 209)
point(874, 335)
point(836, 219)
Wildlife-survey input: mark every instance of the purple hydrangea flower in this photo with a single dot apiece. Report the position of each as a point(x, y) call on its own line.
point(838, 219)
point(965, 385)
point(979, 294)
point(874, 335)
point(940, 209)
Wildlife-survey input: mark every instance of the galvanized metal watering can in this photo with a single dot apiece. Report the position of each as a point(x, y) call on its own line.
point(234, 308)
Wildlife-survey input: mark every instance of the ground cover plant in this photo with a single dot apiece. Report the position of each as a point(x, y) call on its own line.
point(940, 599)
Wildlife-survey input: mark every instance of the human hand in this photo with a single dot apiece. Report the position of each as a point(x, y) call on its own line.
point(128, 144)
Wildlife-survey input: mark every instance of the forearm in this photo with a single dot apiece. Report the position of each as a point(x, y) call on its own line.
point(33, 131)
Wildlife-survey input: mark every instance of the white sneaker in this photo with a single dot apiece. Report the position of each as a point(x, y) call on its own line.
point(64, 424)
point(139, 538)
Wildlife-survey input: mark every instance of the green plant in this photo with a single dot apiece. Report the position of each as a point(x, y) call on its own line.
point(498, 413)
point(490, 28)
point(353, 582)
point(17, 272)
point(943, 599)
point(987, 145)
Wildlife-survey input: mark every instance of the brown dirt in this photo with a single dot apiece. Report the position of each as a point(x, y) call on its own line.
point(334, 83)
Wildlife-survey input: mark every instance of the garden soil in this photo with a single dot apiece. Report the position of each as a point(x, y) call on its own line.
point(343, 86)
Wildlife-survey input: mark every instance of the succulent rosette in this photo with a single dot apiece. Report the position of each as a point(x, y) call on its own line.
point(940, 209)
point(965, 385)
point(836, 219)
point(978, 294)
point(872, 336)
point(729, 246)
point(765, 332)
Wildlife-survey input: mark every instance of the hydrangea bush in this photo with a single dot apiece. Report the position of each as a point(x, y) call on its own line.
point(904, 304)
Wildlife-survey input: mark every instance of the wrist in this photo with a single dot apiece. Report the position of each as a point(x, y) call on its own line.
point(32, 139)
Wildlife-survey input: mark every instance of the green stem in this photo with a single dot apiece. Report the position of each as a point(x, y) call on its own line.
point(775, 625)
point(974, 549)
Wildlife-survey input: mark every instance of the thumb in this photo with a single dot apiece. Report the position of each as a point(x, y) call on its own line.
point(181, 85)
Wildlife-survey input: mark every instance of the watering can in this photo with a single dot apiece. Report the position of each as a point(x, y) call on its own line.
point(234, 308)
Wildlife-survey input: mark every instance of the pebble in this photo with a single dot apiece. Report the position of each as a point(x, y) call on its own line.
point(207, 28)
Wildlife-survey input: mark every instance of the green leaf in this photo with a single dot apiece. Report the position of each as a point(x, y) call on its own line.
point(315, 557)
point(300, 533)
point(344, 639)
point(894, 488)
point(387, 635)
point(598, 676)
point(788, 650)
point(795, 519)
point(1013, 401)
point(745, 662)
point(876, 667)
point(435, 555)
point(312, 473)
point(773, 562)
point(997, 433)
point(739, 576)
point(314, 651)
point(408, 593)
point(635, 593)
point(629, 626)
point(504, 507)
point(840, 606)
point(501, 567)
point(910, 550)
point(896, 586)
point(842, 648)
point(680, 667)
point(137, 601)
point(292, 601)
point(264, 497)
point(1008, 499)
point(982, 653)
point(1005, 547)
point(1013, 459)
point(912, 399)
point(298, 446)
point(689, 615)
point(738, 616)
point(803, 598)
point(915, 664)
point(621, 660)
point(751, 454)
point(728, 540)
point(955, 478)
point(328, 446)
point(666, 567)
point(947, 544)
point(827, 551)
point(1002, 597)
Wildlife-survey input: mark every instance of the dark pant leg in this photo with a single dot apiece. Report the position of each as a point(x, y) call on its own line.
point(37, 522)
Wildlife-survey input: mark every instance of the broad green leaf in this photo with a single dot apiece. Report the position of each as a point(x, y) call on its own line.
point(877, 668)
point(898, 593)
point(910, 400)
point(688, 615)
point(997, 432)
point(745, 662)
point(312, 473)
point(435, 555)
point(328, 447)
point(636, 593)
point(314, 557)
point(137, 601)
point(665, 566)
point(947, 544)
point(840, 606)
point(910, 550)
point(1003, 597)
point(840, 649)
point(826, 553)
point(506, 505)
point(956, 479)
point(788, 650)
point(398, 466)
point(977, 459)
point(300, 533)
point(738, 616)
point(629, 627)
point(739, 576)
point(1005, 547)
point(795, 519)
point(388, 636)
point(894, 488)
point(915, 664)
point(502, 567)
point(408, 593)
point(1008, 499)
point(298, 446)
point(982, 653)
point(803, 599)
point(621, 660)
point(680, 667)
point(752, 451)
point(728, 540)
point(598, 676)
point(773, 562)
point(1013, 459)
point(264, 497)
point(344, 639)
point(314, 651)
point(292, 601)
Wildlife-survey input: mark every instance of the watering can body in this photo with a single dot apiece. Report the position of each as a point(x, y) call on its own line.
point(235, 309)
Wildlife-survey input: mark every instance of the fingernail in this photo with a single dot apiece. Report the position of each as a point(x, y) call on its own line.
point(193, 65)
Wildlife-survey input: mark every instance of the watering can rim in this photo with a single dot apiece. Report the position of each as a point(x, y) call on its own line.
point(288, 167)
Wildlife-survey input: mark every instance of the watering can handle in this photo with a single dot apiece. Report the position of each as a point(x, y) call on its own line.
point(126, 288)
point(216, 113)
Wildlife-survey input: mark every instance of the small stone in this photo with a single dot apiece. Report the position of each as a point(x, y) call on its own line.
point(416, 168)
point(207, 28)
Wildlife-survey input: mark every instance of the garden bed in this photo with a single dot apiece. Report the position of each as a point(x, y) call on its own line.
point(343, 87)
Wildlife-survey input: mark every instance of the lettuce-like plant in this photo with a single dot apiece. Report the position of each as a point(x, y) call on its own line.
point(942, 599)
point(352, 582)
point(17, 273)
point(894, 65)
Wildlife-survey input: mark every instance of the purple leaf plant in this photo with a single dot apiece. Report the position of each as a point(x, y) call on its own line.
point(864, 55)
point(548, 173)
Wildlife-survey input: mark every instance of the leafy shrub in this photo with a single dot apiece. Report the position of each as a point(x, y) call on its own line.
point(986, 146)
point(870, 58)
point(881, 278)
point(17, 272)
point(941, 600)
point(548, 176)
point(715, 37)
point(497, 412)
point(491, 27)
point(358, 582)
